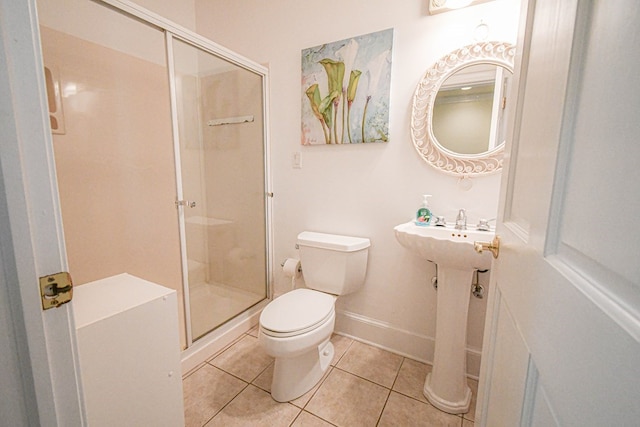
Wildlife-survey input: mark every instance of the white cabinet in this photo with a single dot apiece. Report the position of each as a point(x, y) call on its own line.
point(129, 352)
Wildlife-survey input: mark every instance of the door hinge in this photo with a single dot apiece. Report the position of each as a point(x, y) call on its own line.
point(55, 290)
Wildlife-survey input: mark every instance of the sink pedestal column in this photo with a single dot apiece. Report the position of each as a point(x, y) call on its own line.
point(446, 386)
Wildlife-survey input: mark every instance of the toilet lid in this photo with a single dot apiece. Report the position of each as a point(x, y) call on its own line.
point(296, 310)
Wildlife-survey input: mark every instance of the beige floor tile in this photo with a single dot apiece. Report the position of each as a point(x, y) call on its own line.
point(192, 371)
point(231, 344)
point(306, 419)
point(411, 378)
point(301, 401)
point(346, 400)
point(253, 331)
point(263, 380)
point(340, 345)
point(341, 398)
point(206, 391)
point(374, 364)
point(473, 385)
point(255, 407)
point(405, 411)
point(245, 359)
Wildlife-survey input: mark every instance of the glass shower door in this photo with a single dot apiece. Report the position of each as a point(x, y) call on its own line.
point(221, 185)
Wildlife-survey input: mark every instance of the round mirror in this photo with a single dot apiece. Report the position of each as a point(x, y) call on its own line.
point(458, 117)
point(475, 96)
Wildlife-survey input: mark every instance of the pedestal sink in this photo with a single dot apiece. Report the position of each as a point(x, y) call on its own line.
point(453, 252)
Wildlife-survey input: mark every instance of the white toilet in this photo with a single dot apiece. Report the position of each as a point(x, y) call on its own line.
point(295, 328)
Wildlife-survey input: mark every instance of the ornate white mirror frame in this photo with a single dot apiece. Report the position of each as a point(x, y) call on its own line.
point(424, 141)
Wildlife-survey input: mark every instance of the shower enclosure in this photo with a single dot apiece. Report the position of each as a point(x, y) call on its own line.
point(161, 158)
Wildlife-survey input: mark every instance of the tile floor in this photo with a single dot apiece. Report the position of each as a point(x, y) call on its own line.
point(365, 386)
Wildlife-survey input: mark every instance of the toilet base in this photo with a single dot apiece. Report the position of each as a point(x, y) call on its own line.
point(294, 376)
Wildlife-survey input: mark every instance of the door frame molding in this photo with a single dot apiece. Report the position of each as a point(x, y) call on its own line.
point(35, 248)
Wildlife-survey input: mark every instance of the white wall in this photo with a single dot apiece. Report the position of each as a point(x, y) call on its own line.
point(363, 190)
point(116, 31)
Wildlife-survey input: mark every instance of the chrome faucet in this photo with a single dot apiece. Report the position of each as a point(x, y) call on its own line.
point(461, 220)
point(439, 221)
point(483, 224)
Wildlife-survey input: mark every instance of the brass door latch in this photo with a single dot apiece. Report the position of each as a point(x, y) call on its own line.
point(55, 290)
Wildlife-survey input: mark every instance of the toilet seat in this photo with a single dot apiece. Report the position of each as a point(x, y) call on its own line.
point(296, 312)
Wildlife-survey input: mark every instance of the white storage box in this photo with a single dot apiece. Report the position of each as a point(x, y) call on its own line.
point(129, 351)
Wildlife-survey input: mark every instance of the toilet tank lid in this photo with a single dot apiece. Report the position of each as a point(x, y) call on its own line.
point(333, 241)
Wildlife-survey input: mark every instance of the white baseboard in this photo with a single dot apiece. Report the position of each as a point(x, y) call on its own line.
point(388, 337)
point(360, 328)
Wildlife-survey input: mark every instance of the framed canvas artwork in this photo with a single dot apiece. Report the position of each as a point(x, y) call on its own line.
point(346, 90)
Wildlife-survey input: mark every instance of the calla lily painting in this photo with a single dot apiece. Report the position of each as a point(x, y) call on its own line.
point(346, 90)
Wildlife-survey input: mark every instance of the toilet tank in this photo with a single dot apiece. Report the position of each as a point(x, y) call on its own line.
point(332, 263)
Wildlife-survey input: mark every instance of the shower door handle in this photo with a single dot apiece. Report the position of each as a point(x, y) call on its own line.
point(186, 203)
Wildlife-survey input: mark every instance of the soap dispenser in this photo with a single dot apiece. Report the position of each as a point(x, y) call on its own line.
point(423, 215)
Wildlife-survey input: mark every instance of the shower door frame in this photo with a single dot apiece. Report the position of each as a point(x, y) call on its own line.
point(217, 339)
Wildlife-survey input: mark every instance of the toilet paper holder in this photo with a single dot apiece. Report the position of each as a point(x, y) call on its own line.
point(299, 270)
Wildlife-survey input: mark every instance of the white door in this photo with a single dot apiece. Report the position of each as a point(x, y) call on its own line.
point(563, 328)
point(39, 375)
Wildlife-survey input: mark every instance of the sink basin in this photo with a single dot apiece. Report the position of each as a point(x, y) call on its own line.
point(446, 246)
point(456, 259)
